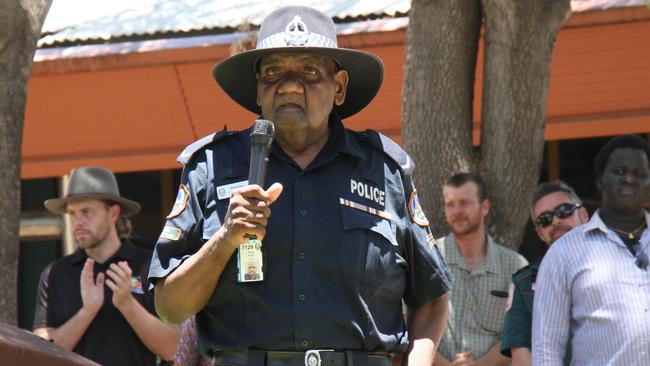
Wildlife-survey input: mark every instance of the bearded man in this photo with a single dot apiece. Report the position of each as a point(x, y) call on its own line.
point(482, 270)
point(94, 301)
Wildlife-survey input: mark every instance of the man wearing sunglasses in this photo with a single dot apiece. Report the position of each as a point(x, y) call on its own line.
point(482, 271)
point(556, 210)
point(594, 282)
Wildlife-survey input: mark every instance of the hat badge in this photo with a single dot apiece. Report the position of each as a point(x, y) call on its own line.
point(296, 32)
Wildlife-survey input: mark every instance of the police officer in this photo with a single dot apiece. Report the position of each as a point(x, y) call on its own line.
point(555, 211)
point(347, 240)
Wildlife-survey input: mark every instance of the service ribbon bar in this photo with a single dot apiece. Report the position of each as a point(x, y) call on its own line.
point(364, 208)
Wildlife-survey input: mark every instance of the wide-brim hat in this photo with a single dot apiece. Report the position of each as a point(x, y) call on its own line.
point(92, 183)
point(301, 29)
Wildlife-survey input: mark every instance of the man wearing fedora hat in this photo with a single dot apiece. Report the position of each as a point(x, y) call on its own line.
point(347, 242)
point(71, 309)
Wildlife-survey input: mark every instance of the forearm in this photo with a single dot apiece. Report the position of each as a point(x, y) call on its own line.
point(493, 357)
point(521, 356)
point(69, 334)
point(186, 290)
point(425, 328)
point(159, 337)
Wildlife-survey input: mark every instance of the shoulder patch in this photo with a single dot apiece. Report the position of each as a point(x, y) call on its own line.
point(181, 201)
point(171, 233)
point(192, 148)
point(416, 212)
point(391, 148)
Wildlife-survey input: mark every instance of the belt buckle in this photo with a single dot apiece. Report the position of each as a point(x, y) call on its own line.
point(312, 356)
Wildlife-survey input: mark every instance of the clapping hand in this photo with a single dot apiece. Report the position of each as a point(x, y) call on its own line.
point(92, 293)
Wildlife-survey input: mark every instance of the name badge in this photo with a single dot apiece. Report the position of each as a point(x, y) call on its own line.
point(250, 262)
point(225, 191)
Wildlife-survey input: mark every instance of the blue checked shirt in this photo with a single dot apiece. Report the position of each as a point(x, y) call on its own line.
point(589, 283)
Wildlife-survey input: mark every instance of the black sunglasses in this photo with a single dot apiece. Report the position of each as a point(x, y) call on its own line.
point(640, 257)
point(561, 211)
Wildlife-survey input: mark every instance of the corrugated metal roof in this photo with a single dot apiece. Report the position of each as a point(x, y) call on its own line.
point(93, 50)
point(586, 5)
point(82, 21)
point(96, 21)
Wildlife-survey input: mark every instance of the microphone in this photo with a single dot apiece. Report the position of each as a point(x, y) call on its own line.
point(249, 254)
point(261, 140)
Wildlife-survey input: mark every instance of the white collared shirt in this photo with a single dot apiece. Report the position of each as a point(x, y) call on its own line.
point(588, 283)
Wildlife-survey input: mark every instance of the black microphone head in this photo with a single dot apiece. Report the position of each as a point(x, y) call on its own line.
point(262, 135)
point(263, 127)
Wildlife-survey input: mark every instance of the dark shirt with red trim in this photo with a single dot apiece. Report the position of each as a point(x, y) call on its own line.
point(346, 242)
point(109, 339)
point(519, 318)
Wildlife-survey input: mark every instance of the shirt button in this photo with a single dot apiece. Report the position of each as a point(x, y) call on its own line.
point(305, 343)
point(301, 255)
point(301, 297)
point(303, 213)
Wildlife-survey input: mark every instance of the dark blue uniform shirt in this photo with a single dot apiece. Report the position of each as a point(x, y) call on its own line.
point(342, 248)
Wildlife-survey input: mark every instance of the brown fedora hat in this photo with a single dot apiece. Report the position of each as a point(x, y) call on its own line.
point(92, 183)
point(300, 29)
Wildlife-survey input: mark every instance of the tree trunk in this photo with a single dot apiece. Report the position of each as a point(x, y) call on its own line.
point(519, 40)
point(437, 96)
point(21, 23)
point(437, 99)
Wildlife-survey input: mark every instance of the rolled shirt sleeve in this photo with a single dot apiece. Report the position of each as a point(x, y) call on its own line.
point(428, 275)
point(184, 231)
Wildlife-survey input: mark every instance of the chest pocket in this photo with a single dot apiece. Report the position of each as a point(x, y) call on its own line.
point(218, 199)
point(491, 309)
point(368, 249)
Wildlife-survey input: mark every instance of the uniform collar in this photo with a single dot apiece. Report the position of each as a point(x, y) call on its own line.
point(341, 139)
point(125, 252)
point(489, 264)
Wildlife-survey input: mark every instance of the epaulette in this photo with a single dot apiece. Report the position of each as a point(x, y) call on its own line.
point(192, 148)
point(522, 274)
point(391, 148)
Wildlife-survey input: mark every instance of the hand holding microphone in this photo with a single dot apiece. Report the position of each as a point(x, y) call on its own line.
point(248, 211)
point(262, 135)
point(250, 260)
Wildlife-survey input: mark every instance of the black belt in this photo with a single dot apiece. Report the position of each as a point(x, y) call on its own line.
point(297, 358)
